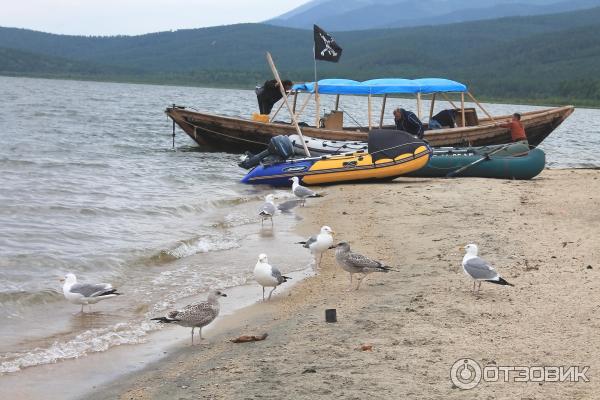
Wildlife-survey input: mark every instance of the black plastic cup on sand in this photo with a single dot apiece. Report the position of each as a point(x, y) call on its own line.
point(330, 315)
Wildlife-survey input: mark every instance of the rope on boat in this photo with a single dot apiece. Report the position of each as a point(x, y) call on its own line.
point(352, 118)
point(173, 130)
point(231, 137)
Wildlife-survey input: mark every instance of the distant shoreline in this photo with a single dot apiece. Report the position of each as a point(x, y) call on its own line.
point(550, 102)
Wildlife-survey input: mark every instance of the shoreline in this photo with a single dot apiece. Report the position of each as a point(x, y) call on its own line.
point(95, 368)
point(422, 319)
point(549, 102)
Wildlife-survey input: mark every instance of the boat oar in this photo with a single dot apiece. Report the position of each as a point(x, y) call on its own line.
point(482, 159)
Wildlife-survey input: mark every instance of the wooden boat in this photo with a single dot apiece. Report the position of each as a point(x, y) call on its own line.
point(392, 154)
point(234, 134)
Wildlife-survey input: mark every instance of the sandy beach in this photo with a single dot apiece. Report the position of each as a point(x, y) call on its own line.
point(541, 235)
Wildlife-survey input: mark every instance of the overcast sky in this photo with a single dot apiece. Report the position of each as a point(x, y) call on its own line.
point(130, 17)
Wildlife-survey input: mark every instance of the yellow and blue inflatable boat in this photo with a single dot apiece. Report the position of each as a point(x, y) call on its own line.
point(391, 154)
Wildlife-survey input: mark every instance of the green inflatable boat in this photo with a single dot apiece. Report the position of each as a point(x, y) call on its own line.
point(511, 161)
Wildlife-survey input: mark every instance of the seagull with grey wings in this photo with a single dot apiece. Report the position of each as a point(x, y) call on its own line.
point(355, 263)
point(268, 209)
point(479, 269)
point(320, 243)
point(196, 315)
point(302, 192)
point(86, 293)
point(268, 276)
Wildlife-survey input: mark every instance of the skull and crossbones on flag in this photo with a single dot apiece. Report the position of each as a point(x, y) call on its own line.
point(326, 48)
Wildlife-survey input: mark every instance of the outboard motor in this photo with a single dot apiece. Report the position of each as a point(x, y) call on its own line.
point(280, 148)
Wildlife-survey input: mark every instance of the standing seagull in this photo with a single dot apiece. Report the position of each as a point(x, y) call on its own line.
point(196, 315)
point(267, 210)
point(355, 263)
point(86, 293)
point(318, 244)
point(479, 269)
point(301, 191)
point(267, 275)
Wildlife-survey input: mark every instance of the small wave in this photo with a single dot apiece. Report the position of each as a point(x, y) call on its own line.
point(29, 298)
point(91, 341)
point(195, 246)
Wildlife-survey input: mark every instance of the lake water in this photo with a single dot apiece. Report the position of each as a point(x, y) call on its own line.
point(90, 185)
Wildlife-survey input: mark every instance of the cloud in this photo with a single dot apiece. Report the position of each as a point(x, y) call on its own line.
point(130, 17)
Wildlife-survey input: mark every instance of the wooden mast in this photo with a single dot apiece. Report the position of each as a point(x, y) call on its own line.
point(382, 111)
point(285, 99)
point(295, 102)
point(369, 105)
point(462, 107)
point(431, 107)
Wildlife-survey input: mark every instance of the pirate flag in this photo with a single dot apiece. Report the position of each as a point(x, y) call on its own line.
point(326, 48)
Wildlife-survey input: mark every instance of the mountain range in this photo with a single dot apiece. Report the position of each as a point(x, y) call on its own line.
point(344, 15)
point(550, 58)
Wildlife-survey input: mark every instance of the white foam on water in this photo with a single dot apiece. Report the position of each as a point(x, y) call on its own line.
point(203, 245)
point(90, 341)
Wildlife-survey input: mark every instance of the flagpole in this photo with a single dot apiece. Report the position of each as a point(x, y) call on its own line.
point(287, 103)
point(317, 113)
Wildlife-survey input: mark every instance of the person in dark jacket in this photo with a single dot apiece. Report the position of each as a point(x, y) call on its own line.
point(269, 94)
point(407, 121)
point(445, 118)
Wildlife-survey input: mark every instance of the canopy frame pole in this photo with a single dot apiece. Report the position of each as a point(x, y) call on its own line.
point(299, 113)
point(287, 104)
point(481, 107)
point(369, 106)
point(431, 106)
point(337, 101)
point(448, 100)
point(462, 107)
point(276, 112)
point(419, 105)
point(382, 111)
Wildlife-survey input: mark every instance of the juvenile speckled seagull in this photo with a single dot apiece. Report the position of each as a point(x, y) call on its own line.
point(318, 244)
point(196, 315)
point(268, 276)
point(302, 192)
point(355, 263)
point(86, 293)
point(479, 269)
point(268, 209)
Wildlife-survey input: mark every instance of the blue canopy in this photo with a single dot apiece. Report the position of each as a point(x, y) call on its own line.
point(382, 86)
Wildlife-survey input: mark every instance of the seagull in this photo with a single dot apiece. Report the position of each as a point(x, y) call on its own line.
point(318, 244)
point(196, 315)
point(355, 263)
point(479, 269)
point(86, 293)
point(267, 275)
point(301, 191)
point(268, 209)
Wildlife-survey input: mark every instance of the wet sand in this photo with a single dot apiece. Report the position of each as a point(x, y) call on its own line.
point(541, 235)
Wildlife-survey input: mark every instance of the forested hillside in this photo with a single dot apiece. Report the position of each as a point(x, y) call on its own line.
point(542, 57)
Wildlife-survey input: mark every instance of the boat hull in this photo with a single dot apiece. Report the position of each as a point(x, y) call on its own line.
point(525, 166)
point(337, 169)
point(236, 135)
